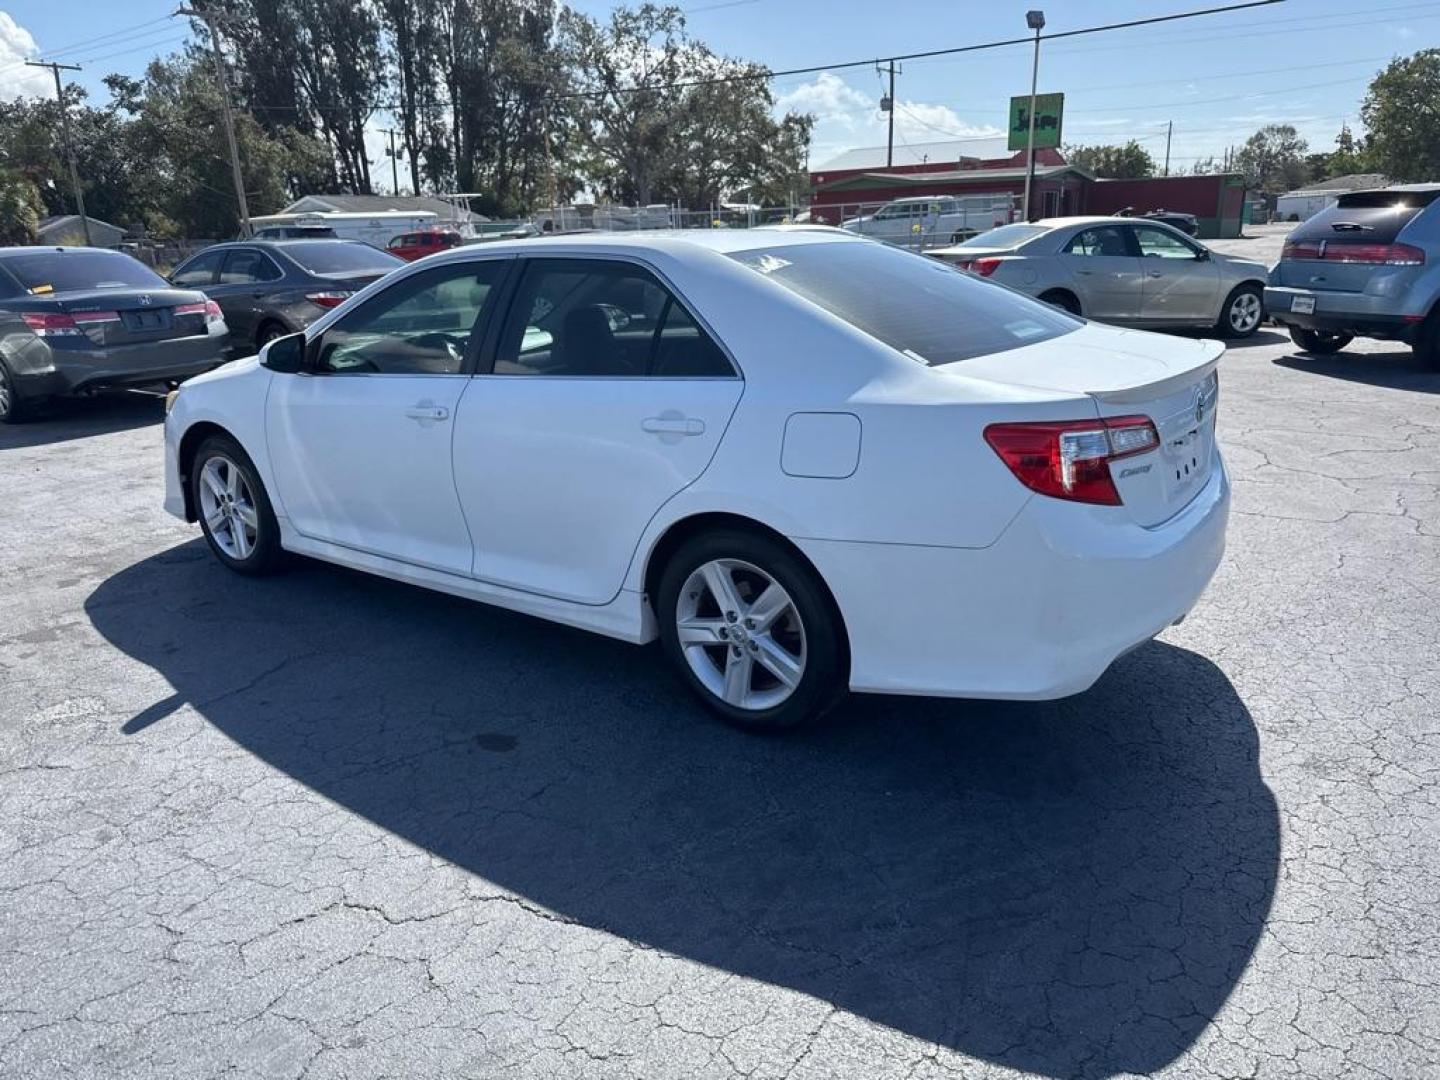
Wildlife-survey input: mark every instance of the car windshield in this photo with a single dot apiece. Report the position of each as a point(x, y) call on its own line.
point(45, 272)
point(918, 306)
point(1006, 236)
point(341, 257)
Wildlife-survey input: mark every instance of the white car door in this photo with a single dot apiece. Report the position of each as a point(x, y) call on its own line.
point(606, 398)
point(1181, 282)
point(360, 443)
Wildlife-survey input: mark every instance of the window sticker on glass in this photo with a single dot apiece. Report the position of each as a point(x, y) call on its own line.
point(767, 264)
point(1023, 330)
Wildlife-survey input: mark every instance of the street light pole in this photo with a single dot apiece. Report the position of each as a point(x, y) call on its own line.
point(209, 18)
point(1035, 20)
point(55, 70)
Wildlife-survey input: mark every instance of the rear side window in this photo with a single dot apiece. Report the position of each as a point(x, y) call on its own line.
point(920, 307)
point(244, 267)
point(603, 319)
point(1374, 217)
point(45, 272)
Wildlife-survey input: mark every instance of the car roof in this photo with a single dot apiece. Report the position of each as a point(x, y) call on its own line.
point(673, 241)
point(31, 249)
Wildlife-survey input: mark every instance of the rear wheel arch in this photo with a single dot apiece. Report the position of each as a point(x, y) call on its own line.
point(261, 335)
point(1062, 298)
point(678, 532)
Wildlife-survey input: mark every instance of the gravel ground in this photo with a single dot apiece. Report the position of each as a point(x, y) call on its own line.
point(331, 826)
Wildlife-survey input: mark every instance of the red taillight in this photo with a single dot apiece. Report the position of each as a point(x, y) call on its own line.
point(328, 299)
point(984, 267)
point(1070, 459)
point(209, 308)
point(51, 323)
point(1342, 251)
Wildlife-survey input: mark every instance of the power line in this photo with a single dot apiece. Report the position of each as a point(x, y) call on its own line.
point(762, 73)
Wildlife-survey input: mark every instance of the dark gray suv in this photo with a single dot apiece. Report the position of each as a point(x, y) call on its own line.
point(1369, 266)
point(270, 288)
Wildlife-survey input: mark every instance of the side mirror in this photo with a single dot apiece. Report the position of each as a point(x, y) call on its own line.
point(1203, 255)
point(285, 355)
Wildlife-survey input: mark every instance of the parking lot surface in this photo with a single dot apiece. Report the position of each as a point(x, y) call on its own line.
point(325, 825)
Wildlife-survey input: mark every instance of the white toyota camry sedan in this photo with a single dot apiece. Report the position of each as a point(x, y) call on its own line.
point(803, 460)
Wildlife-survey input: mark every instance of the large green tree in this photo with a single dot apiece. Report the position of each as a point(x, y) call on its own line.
point(1129, 162)
point(1273, 159)
point(1401, 111)
point(19, 208)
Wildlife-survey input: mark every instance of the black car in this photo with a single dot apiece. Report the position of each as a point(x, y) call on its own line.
point(77, 319)
point(1186, 223)
point(270, 288)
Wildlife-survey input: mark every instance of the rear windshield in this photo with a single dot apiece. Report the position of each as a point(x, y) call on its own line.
point(331, 257)
point(1371, 217)
point(1006, 236)
point(45, 272)
point(917, 305)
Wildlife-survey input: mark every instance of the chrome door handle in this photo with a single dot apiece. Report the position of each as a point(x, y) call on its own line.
point(664, 425)
point(428, 412)
point(1153, 273)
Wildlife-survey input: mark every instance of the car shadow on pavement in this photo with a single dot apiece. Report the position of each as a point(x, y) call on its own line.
point(1070, 888)
point(1400, 370)
point(79, 418)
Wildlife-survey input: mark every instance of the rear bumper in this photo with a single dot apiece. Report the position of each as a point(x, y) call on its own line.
point(1356, 313)
point(52, 372)
point(1039, 614)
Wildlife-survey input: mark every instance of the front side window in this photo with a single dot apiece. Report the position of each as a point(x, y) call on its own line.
point(602, 319)
point(243, 267)
point(1162, 243)
point(199, 271)
point(920, 307)
point(1105, 240)
point(422, 325)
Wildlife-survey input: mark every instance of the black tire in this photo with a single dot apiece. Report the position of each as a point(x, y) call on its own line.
point(269, 332)
point(819, 634)
point(1063, 300)
point(1427, 341)
point(1236, 308)
point(1320, 342)
point(260, 555)
point(13, 408)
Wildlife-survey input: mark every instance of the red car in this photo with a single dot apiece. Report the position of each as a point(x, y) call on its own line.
point(416, 245)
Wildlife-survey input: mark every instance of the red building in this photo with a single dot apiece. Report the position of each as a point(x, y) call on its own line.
point(858, 180)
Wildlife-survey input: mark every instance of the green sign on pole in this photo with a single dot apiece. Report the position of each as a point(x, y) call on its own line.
point(1049, 108)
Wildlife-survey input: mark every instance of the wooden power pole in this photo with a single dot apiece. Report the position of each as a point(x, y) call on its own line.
point(209, 18)
point(55, 70)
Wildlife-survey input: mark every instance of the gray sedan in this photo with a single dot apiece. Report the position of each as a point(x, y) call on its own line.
point(270, 288)
point(1120, 270)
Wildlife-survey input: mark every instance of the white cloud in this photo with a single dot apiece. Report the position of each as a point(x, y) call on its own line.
point(16, 46)
point(846, 118)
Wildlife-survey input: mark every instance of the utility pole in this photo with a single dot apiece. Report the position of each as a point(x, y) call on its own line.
point(210, 18)
point(394, 161)
point(887, 105)
point(55, 70)
point(1035, 20)
point(1169, 130)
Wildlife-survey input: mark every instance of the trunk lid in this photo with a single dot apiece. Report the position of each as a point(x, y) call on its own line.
point(1172, 381)
point(129, 316)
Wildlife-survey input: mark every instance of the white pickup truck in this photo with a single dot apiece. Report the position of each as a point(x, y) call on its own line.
point(928, 220)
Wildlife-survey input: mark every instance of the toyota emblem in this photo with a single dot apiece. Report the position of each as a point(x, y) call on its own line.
point(145, 299)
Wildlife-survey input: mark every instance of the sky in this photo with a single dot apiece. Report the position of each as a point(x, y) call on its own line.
point(1217, 77)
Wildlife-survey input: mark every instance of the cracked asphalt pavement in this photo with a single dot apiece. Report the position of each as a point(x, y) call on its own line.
point(324, 825)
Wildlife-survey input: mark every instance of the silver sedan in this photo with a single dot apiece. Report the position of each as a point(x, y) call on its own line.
point(1120, 270)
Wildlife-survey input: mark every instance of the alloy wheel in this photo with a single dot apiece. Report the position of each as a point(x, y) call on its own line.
point(5, 392)
point(741, 634)
point(228, 507)
point(1245, 311)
